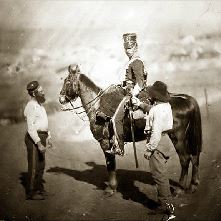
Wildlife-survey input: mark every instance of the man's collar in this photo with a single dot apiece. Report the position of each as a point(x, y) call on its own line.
point(135, 55)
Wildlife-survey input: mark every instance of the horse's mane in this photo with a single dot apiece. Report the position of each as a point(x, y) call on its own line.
point(110, 99)
point(89, 83)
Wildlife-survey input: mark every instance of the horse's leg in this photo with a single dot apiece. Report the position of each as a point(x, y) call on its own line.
point(184, 161)
point(195, 173)
point(111, 167)
point(180, 146)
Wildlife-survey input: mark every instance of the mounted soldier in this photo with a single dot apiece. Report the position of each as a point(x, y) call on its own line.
point(135, 80)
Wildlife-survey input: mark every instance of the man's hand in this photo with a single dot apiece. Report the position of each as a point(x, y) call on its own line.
point(49, 143)
point(41, 147)
point(148, 154)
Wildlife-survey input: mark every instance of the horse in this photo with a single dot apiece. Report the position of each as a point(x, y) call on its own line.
point(186, 134)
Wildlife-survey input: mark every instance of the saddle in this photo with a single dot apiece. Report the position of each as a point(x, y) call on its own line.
point(108, 105)
point(138, 124)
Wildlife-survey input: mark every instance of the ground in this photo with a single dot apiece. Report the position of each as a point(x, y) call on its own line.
point(75, 175)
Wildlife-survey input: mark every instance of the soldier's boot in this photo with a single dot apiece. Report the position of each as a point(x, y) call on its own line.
point(117, 147)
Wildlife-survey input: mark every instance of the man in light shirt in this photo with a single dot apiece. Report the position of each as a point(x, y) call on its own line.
point(158, 122)
point(37, 139)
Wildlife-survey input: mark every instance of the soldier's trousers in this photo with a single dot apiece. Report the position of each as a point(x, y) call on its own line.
point(159, 173)
point(118, 121)
point(36, 164)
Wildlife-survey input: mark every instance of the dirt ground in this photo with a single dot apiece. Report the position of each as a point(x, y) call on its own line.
point(75, 175)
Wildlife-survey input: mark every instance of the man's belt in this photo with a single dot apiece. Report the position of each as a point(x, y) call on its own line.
point(164, 156)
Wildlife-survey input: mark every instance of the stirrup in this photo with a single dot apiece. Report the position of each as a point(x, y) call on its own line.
point(119, 152)
point(115, 151)
point(110, 151)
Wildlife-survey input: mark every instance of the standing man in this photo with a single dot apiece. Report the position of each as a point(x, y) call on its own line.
point(135, 80)
point(37, 139)
point(159, 121)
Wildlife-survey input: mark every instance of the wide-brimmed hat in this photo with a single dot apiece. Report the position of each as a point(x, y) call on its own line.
point(159, 91)
point(130, 39)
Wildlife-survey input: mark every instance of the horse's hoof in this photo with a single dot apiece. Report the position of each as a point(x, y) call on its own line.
point(193, 188)
point(109, 192)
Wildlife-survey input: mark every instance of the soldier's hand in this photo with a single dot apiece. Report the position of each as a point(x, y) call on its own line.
point(135, 101)
point(41, 147)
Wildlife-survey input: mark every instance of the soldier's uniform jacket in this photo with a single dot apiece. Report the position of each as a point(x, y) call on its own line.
point(136, 73)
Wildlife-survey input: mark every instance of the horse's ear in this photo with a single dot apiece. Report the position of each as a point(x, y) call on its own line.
point(73, 68)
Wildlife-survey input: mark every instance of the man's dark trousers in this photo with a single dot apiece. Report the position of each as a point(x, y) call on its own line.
point(36, 164)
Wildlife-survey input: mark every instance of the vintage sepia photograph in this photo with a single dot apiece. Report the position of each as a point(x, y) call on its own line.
point(110, 110)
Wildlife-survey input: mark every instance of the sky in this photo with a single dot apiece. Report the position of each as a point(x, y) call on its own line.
point(125, 15)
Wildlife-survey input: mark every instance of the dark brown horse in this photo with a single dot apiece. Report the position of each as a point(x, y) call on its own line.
point(186, 134)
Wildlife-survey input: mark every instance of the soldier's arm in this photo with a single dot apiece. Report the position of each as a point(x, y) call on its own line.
point(138, 70)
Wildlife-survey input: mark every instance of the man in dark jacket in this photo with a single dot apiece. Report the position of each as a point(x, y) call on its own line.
point(135, 80)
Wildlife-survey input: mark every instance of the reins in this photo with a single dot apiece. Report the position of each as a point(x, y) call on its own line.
point(95, 100)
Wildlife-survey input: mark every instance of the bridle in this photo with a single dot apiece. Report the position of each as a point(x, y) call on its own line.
point(73, 86)
point(74, 90)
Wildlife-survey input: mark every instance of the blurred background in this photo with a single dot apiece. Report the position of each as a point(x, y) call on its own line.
point(179, 41)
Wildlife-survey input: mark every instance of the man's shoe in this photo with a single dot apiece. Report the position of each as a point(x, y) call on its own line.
point(170, 209)
point(36, 197)
point(167, 209)
point(168, 217)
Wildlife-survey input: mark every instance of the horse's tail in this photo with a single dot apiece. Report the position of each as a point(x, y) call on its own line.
point(194, 129)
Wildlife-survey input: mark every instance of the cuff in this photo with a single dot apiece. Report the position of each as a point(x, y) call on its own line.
point(49, 135)
point(149, 148)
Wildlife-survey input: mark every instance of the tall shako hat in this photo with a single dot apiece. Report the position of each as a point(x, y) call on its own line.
point(130, 39)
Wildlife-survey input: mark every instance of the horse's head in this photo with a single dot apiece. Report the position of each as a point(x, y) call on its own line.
point(70, 89)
